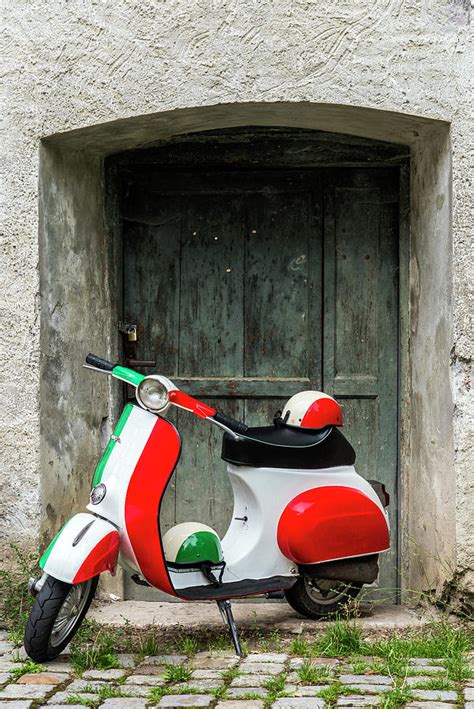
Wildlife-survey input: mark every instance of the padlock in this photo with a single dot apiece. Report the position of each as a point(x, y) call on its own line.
point(132, 333)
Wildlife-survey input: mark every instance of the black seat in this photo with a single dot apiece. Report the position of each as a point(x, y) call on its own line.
point(281, 446)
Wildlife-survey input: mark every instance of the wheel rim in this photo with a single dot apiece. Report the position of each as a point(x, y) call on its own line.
point(326, 592)
point(70, 612)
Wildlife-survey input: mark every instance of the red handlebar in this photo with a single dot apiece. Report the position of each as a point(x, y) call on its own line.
point(179, 398)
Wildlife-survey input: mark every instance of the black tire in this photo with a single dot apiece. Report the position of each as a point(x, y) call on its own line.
point(42, 642)
point(318, 598)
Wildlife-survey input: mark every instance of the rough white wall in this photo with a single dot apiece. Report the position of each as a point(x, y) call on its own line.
point(71, 64)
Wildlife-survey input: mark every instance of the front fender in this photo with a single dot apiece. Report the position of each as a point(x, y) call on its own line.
point(86, 546)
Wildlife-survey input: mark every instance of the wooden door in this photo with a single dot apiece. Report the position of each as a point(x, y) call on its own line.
point(224, 273)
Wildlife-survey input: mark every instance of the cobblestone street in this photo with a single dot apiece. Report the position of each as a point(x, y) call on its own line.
point(220, 680)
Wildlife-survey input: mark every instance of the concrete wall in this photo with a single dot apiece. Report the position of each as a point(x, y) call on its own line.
point(89, 79)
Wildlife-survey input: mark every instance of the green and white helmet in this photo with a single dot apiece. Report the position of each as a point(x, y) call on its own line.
point(191, 544)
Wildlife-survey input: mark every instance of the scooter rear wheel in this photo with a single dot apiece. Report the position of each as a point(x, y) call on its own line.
point(56, 616)
point(320, 598)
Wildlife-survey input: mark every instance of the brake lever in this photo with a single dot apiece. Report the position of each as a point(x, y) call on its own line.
point(97, 369)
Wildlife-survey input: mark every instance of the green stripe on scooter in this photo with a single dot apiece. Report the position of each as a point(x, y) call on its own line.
point(128, 375)
point(48, 551)
point(99, 471)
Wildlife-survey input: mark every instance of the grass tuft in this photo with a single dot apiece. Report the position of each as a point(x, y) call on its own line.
point(435, 683)
point(84, 701)
point(342, 637)
point(309, 674)
point(100, 655)
point(26, 667)
point(177, 673)
point(299, 646)
point(230, 674)
point(397, 697)
point(15, 599)
point(276, 684)
point(335, 690)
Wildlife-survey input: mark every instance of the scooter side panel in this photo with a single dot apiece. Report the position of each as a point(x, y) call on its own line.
point(261, 495)
point(85, 547)
point(143, 501)
point(135, 475)
point(330, 523)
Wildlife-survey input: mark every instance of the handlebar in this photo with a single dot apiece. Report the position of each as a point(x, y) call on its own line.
point(176, 396)
point(100, 363)
point(236, 426)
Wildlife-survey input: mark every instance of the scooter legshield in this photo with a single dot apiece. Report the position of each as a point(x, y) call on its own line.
point(85, 547)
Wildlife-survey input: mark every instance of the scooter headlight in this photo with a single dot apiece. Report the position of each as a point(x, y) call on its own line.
point(152, 394)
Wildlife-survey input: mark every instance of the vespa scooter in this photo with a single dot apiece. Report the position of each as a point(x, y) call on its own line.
point(304, 522)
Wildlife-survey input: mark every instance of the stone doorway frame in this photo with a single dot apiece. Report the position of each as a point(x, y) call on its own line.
point(78, 253)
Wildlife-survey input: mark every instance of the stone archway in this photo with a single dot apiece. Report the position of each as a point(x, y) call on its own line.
point(77, 258)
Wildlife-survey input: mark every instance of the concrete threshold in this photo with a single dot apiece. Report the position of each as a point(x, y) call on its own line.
point(197, 616)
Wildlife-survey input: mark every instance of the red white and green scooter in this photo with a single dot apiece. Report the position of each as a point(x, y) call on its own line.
point(304, 522)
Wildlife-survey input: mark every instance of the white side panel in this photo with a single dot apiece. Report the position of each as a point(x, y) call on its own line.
point(71, 549)
point(250, 548)
point(117, 473)
point(261, 494)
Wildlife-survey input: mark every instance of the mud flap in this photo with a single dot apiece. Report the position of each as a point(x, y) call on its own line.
point(85, 547)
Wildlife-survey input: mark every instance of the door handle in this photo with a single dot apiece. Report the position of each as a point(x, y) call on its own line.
point(141, 363)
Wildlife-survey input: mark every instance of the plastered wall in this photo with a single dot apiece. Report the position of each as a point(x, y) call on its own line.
point(71, 68)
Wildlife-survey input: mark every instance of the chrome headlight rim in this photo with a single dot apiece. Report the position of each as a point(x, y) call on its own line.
point(142, 397)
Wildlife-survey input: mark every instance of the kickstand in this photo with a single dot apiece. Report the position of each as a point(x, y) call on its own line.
point(225, 608)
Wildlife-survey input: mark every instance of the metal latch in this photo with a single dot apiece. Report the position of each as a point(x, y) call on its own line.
point(128, 329)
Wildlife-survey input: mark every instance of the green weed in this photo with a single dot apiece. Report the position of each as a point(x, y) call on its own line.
point(100, 656)
point(15, 599)
point(230, 674)
point(276, 684)
point(359, 667)
point(188, 646)
point(335, 690)
point(299, 646)
point(441, 683)
point(309, 674)
point(457, 668)
point(25, 668)
point(397, 697)
point(342, 638)
point(392, 664)
point(443, 640)
point(108, 691)
point(220, 642)
point(84, 701)
point(149, 645)
point(177, 673)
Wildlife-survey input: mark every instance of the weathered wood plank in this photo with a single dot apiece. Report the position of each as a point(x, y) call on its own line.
point(210, 326)
point(361, 338)
point(276, 285)
point(245, 387)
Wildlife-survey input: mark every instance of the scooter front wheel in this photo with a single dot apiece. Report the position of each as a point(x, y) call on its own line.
point(320, 598)
point(56, 616)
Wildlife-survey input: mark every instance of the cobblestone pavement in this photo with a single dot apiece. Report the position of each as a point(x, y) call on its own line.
point(220, 680)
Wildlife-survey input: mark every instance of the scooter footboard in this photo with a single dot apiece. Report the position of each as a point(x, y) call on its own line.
point(86, 546)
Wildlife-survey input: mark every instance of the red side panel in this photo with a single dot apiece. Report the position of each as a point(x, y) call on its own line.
point(328, 523)
point(103, 557)
point(145, 492)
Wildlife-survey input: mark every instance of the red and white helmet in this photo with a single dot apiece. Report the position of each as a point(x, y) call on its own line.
point(312, 409)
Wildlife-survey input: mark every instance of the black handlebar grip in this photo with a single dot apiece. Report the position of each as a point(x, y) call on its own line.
point(100, 363)
point(236, 426)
